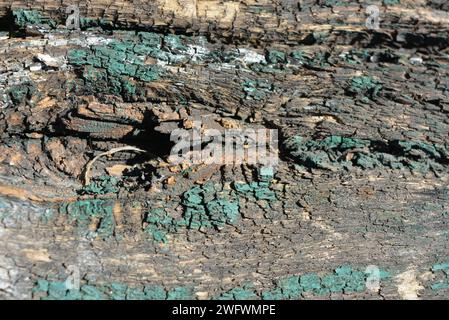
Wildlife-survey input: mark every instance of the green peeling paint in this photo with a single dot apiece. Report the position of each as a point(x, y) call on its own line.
point(364, 85)
point(86, 212)
point(391, 2)
point(318, 59)
point(257, 190)
point(356, 56)
point(88, 23)
point(58, 290)
point(180, 293)
point(245, 292)
point(443, 270)
point(205, 206)
point(274, 56)
point(159, 223)
point(118, 68)
point(257, 89)
point(23, 18)
point(208, 207)
point(336, 3)
point(344, 279)
point(22, 93)
point(101, 185)
point(329, 153)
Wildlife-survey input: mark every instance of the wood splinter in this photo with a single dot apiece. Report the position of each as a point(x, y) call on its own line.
point(107, 153)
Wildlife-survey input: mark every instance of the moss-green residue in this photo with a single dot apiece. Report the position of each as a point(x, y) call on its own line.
point(344, 279)
point(23, 18)
point(87, 212)
point(331, 153)
point(101, 185)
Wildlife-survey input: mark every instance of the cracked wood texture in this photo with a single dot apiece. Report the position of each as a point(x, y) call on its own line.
point(362, 121)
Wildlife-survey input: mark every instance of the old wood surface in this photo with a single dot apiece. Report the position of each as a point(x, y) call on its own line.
point(366, 186)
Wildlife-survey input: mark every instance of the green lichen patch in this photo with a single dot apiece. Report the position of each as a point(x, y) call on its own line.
point(336, 152)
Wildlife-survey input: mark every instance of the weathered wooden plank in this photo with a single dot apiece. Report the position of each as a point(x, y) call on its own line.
point(362, 178)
